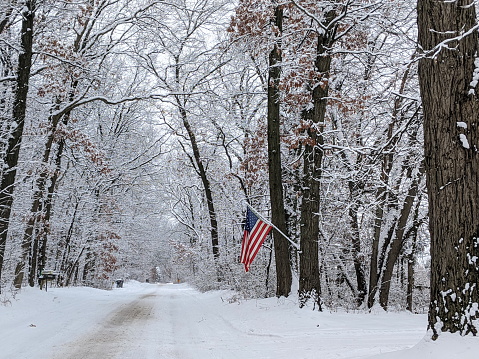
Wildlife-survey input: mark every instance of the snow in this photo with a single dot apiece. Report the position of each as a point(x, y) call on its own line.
point(174, 321)
point(464, 141)
point(475, 77)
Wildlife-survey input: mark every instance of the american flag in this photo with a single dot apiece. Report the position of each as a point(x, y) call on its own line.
point(255, 232)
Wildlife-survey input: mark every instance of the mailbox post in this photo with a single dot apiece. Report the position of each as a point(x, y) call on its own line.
point(45, 276)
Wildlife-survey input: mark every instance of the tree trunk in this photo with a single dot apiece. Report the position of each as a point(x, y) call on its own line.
point(88, 272)
point(49, 204)
point(383, 195)
point(356, 187)
point(411, 258)
point(35, 217)
point(398, 242)
point(66, 251)
point(377, 255)
point(448, 82)
point(281, 246)
point(5, 86)
point(73, 269)
point(19, 108)
point(206, 183)
point(358, 257)
point(309, 275)
point(309, 278)
point(38, 211)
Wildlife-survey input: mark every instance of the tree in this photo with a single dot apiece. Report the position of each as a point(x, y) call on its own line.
point(70, 61)
point(182, 59)
point(448, 77)
point(17, 125)
point(314, 122)
point(281, 245)
point(377, 142)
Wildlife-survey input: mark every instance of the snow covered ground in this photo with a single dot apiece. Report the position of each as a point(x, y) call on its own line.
point(174, 321)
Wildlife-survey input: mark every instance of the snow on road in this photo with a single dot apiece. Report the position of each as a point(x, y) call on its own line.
point(124, 333)
point(168, 321)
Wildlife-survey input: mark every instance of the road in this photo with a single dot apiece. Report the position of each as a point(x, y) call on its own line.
point(125, 333)
point(164, 323)
point(175, 321)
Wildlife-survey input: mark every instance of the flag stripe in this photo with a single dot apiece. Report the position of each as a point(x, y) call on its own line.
point(259, 235)
point(255, 232)
point(244, 246)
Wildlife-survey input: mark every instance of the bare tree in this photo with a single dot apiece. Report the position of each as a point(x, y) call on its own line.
point(180, 38)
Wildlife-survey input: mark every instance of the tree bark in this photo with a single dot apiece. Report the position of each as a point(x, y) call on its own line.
point(281, 246)
point(309, 275)
point(19, 108)
point(309, 278)
point(447, 33)
point(382, 195)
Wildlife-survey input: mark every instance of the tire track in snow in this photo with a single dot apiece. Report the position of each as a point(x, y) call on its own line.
point(124, 334)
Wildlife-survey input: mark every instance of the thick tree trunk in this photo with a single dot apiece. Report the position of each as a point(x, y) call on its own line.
point(448, 81)
point(19, 109)
point(281, 246)
point(309, 277)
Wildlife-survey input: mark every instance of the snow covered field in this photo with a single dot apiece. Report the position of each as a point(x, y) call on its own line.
point(171, 321)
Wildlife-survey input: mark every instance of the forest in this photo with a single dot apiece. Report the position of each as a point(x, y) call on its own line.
point(134, 134)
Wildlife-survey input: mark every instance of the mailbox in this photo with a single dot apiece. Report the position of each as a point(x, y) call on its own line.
point(45, 276)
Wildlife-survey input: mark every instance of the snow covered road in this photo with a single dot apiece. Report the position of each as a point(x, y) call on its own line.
point(126, 333)
point(169, 321)
point(172, 322)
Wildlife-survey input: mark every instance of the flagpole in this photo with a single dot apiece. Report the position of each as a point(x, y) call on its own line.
point(272, 225)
